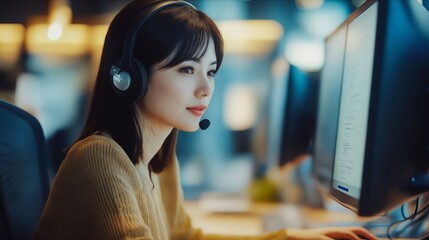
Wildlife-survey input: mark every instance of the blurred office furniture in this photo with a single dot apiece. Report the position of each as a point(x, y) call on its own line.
point(24, 174)
point(54, 90)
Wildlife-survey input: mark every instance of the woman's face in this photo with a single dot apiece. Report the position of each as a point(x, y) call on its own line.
point(178, 96)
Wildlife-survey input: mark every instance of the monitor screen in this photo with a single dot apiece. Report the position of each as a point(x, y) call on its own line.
point(354, 104)
point(328, 107)
point(382, 133)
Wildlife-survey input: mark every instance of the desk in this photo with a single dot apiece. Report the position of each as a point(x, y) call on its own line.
point(224, 223)
point(254, 221)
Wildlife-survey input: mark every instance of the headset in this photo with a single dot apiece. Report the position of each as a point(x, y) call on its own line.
point(129, 76)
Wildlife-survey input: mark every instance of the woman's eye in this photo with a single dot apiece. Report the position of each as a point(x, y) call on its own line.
point(188, 70)
point(212, 73)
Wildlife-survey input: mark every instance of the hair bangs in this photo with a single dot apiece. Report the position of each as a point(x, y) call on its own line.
point(175, 35)
point(191, 47)
point(192, 38)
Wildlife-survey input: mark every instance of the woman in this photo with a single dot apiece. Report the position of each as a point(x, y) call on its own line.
point(120, 180)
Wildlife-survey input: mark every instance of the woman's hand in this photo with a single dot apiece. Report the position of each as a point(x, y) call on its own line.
point(354, 233)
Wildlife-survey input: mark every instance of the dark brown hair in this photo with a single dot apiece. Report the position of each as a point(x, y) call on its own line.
point(178, 33)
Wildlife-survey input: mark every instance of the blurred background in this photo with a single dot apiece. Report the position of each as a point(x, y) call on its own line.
point(50, 52)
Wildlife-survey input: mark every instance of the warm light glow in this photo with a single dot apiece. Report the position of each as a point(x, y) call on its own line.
point(309, 4)
point(96, 37)
point(11, 33)
point(250, 37)
point(73, 42)
point(12, 37)
point(240, 109)
point(60, 13)
point(55, 30)
point(96, 42)
point(305, 54)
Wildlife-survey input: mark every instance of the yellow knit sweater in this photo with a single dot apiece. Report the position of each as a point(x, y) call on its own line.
point(99, 194)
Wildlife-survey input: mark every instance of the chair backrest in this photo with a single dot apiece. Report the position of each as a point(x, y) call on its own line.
point(24, 174)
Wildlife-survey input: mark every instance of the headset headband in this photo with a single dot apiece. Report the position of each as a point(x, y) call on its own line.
point(130, 38)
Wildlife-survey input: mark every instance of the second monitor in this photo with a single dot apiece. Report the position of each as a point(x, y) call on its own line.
point(382, 133)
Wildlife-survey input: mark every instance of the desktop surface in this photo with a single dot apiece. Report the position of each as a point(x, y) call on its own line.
point(264, 217)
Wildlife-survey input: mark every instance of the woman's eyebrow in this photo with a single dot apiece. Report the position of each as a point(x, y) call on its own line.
point(199, 60)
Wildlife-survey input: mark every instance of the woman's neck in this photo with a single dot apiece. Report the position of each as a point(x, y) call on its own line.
point(154, 134)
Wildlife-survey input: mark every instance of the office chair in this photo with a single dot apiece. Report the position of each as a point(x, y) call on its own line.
point(24, 173)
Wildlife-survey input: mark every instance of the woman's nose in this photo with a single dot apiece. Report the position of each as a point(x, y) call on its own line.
point(204, 87)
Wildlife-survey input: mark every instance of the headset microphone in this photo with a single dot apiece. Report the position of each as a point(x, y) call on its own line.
point(204, 124)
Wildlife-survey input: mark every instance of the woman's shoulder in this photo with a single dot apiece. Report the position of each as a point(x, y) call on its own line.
point(95, 141)
point(98, 149)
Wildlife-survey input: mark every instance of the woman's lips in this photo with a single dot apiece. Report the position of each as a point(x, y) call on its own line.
point(197, 110)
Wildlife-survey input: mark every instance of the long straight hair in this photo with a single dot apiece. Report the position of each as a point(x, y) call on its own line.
point(176, 33)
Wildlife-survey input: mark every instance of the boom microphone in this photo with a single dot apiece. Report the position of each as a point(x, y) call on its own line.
point(204, 124)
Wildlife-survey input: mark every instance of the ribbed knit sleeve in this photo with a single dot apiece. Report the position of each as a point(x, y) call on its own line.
point(94, 196)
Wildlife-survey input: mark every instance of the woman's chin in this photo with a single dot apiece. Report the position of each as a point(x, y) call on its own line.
point(189, 128)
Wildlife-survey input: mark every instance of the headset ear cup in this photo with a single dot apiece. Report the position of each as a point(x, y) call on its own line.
point(129, 82)
point(141, 84)
point(121, 79)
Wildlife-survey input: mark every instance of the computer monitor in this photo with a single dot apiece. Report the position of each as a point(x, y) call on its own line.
point(299, 114)
point(382, 134)
point(292, 114)
point(328, 109)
